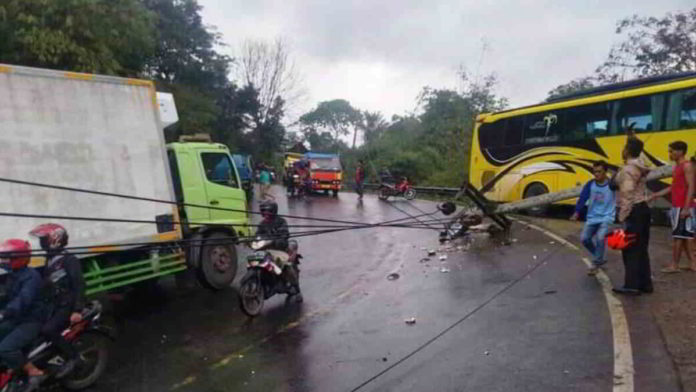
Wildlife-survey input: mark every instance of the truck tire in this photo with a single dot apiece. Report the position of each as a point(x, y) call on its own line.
point(536, 189)
point(218, 264)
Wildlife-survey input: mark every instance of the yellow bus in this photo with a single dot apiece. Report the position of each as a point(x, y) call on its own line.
point(532, 150)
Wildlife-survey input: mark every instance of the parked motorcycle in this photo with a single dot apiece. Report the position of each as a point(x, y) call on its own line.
point(91, 341)
point(264, 277)
point(404, 189)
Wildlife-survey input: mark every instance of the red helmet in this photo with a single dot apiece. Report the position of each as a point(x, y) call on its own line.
point(52, 236)
point(618, 239)
point(15, 253)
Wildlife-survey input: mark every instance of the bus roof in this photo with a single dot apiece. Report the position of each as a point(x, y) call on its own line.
point(320, 155)
point(603, 90)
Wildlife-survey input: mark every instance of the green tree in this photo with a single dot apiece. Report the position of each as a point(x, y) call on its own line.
point(114, 37)
point(373, 125)
point(336, 116)
point(653, 46)
point(573, 86)
point(185, 51)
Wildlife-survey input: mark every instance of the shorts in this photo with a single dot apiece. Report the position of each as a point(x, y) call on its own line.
point(682, 227)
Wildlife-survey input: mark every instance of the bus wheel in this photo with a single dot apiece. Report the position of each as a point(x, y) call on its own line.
point(536, 189)
point(218, 265)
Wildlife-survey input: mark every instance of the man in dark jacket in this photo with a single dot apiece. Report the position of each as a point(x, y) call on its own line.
point(275, 228)
point(22, 314)
point(64, 289)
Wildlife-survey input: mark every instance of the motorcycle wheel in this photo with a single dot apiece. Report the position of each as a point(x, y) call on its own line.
point(251, 296)
point(93, 349)
point(410, 194)
point(383, 194)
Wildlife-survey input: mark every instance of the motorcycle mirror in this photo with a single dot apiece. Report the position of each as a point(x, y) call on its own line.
point(447, 208)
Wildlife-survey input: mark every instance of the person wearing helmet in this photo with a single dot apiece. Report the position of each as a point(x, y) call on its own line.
point(22, 315)
point(275, 228)
point(64, 289)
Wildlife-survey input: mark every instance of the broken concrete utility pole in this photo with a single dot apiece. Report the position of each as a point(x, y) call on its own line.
point(656, 174)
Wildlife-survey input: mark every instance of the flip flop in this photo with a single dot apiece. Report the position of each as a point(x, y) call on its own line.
point(670, 271)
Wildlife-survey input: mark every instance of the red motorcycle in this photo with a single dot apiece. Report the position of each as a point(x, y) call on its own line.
point(403, 189)
point(91, 341)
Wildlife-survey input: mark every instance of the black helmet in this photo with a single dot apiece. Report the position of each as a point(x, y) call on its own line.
point(269, 207)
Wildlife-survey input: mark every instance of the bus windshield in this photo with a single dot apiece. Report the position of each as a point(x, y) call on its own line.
point(325, 164)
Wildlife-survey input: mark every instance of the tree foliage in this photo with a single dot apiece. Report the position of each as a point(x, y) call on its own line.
point(337, 116)
point(653, 46)
point(573, 86)
point(114, 37)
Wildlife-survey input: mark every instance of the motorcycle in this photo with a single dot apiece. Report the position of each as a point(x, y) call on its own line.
point(264, 277)
point(386, 190)
point(91, 341)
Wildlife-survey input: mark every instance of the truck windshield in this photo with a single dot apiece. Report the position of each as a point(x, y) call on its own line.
point(325, 164)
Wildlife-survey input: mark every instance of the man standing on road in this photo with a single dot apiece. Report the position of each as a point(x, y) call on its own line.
point(360, 178)
point(601, 210)
point(682, 213)
point(634, 213)
point(265, 183)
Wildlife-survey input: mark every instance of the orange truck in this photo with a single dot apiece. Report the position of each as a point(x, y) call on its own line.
point(326, 172)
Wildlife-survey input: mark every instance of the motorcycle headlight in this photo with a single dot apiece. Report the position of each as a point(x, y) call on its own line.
point(292, 245)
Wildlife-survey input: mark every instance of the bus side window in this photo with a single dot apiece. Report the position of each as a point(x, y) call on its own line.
point(491, 134)
point(586, 122)
point(542, 128)
point(642, 114)
point(681, 110)
point(513, 131)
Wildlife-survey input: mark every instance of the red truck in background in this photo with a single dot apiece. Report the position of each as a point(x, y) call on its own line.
point(325, 171)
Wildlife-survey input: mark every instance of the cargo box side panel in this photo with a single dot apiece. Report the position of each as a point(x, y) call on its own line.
point(76, 132)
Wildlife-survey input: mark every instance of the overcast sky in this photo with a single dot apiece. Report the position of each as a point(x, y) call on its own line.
point(379, 54)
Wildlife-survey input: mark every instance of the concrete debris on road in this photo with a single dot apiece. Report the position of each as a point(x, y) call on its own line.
point(550, 292)
point(444, 270)
point(432, 252)
point(443, 257)
point(487, 353)
point(534, 257)
point(424, 260)
point(393, 276)
point(410, 321)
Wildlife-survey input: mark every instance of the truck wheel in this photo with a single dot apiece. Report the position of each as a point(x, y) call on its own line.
point(218, 265)
point(335, 193)
point(536, 189)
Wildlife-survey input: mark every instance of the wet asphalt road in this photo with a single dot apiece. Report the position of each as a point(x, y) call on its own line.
point(523, 317)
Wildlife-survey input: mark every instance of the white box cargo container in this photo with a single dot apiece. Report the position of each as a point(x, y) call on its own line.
point(83, 131)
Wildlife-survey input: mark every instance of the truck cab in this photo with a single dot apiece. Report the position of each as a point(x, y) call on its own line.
point(204, 174)
point(326, 172)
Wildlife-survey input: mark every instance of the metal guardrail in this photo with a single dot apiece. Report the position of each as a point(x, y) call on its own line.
point(433, 190)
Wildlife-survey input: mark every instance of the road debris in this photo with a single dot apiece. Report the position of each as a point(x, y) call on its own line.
point(444, 270)
point(393, 276)
point(443, 257)
point(424, 260)
point(410, 321)
point(487, 353)
point(534, 257)
point(384, 359)
point(550, 292)
point(432, 252)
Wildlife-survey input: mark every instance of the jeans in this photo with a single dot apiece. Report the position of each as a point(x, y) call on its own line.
point(593, 235)
point(15, 336)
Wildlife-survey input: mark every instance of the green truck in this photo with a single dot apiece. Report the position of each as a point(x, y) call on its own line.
point(90, 146)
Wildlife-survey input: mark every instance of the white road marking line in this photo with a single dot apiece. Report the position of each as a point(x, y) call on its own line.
point(623, 354)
